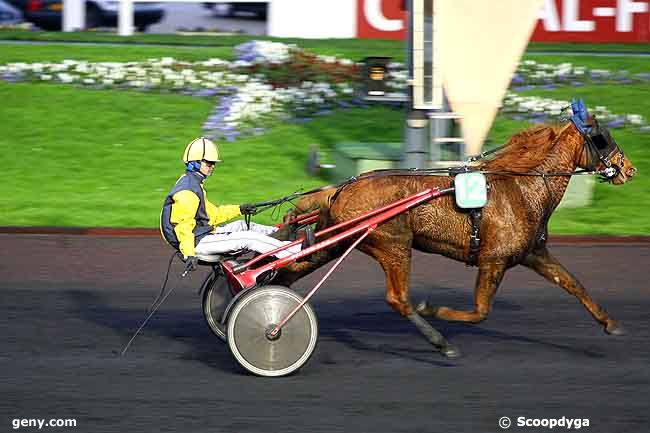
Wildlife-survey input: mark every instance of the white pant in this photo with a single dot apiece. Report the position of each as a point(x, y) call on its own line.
point(236, 236)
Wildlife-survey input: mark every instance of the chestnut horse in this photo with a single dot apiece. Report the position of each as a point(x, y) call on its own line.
point(513, 230)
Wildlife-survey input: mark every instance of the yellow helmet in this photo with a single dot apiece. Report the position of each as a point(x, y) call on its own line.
point(201, 149)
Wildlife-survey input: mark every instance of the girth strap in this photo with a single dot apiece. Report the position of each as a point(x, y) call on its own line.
point(474, 239)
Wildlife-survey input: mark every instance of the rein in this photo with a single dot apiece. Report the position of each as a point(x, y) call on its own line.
point(266, 205)
point(442, 171)
point(607, 174)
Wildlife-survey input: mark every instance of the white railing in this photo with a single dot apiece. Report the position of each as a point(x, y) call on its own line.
point(74, 15)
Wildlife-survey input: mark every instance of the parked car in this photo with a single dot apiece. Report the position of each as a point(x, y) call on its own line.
point(9, 14)
point(258, 9)
point(47, 14)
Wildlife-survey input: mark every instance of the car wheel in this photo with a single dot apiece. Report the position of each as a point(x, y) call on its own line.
point(93, 16)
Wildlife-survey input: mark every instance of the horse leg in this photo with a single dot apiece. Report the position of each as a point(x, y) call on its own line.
point(542, 262)
point(488, 280)
point(396, 266)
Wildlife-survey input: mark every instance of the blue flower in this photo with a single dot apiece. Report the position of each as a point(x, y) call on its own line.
point(517, 79)
point(616, 123)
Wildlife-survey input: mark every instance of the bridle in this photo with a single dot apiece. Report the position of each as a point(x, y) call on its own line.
point(601, 148)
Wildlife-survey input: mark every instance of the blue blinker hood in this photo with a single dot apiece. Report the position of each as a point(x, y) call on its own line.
point(580, 118)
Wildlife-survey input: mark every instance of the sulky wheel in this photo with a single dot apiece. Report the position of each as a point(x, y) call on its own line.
point(251, 319)
point(216, 298)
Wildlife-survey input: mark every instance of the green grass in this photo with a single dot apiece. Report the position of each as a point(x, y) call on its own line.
point(589, 48)
point(355, 49)
point(350, 48)
point(81, 157)
point(93, 53)
point(84, 157)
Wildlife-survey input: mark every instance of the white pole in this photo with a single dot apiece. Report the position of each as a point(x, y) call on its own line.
point(125, 18)
point(74, 15)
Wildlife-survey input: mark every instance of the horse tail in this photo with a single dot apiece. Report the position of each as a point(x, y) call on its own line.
point(317, 201)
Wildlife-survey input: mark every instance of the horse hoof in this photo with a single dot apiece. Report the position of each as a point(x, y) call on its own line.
point(613, 328)
point(425, 309)
point(450, 351)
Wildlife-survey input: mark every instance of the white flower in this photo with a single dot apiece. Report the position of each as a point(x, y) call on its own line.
point(65, 78)
point(635, 119)
point(603, 72)
point(327, 59)
point(263, 52)
point(241, 64)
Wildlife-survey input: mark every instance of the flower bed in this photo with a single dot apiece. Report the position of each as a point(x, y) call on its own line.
point(543, 110)
point(272, 81)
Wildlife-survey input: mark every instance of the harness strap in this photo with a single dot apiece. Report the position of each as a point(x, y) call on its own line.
point(475, 216)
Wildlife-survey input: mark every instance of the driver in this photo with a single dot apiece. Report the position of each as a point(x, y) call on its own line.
point(191, 224)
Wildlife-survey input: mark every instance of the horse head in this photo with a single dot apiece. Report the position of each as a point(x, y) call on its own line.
point(600, 152)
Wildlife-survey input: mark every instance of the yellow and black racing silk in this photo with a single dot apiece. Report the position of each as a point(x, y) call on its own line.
point(187, 215)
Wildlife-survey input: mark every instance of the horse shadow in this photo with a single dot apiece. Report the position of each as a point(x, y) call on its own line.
point(343, 321)
point(373, 316)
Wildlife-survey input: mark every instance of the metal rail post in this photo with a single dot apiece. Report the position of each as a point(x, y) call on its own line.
point(416, 131)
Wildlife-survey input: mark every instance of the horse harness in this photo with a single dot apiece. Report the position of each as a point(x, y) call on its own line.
point(475, 217)
point(597, 141)
point(599, 144)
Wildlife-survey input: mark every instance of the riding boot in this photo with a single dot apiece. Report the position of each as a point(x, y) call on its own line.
point(308, 239)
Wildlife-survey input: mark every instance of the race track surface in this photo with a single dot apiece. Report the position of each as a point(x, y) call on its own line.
point(68, 304)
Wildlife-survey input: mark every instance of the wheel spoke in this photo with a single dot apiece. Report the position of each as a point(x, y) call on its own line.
point(254, 315)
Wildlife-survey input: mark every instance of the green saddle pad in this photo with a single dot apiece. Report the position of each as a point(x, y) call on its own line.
point(471, 190)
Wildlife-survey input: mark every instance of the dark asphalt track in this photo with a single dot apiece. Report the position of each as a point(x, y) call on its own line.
point(67, 303)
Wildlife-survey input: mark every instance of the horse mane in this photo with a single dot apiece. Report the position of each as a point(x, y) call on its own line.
point(525, 150)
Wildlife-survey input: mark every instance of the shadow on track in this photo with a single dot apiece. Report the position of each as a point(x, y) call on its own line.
point(184, 326)
point(354, 315)
point(339, 320)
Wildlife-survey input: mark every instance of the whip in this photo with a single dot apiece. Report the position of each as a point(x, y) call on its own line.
point(162, 296)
